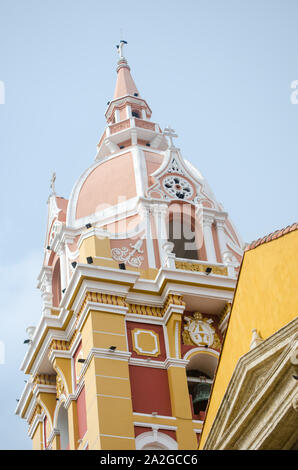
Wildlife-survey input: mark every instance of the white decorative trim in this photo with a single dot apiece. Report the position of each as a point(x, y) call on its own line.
point(155, 438)
point(155, 426)
point(175, 362)
point(147, 415)
point(111, 377)
point(200, 349)
point(117, 437)
point(38, 419)
point(100, 307)
point(113, 396)
point(106, 354)
point(153, 335)
point(134, 361)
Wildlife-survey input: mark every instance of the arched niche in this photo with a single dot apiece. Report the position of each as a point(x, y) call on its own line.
point(185, 231)
point(62, 426)
point(200, 373)
point(56, 283)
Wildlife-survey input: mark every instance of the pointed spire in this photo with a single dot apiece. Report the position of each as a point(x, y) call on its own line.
point(125, 84)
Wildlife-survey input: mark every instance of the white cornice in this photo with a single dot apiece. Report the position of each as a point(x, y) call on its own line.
point(103, 353)
point(24, 397)
point(135, 361)
point(101, 307)
point(121, 102)
point(38, 419)
point(41, 388)
point(169, 362)
point(174, 281)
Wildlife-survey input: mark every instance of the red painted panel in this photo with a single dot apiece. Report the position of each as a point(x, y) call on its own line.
point(145, 326)
point(150, 390)
point(81, 411)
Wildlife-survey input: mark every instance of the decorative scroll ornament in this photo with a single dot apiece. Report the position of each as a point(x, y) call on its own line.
point(198, 332)
point(124, 255)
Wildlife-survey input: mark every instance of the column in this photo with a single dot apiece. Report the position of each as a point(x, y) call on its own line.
point(117, 115)
point(63, 267)
point(179, 394)
point(145, 213)
point(73, 431)
point(221, 236)
point(208, 238)
point(107, 386)
point(37, 438)
point(56, 441)
point(160, 212)
point(128, 111)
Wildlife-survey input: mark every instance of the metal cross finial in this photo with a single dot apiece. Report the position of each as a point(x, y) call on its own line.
point(120, 48)
point(169, 132)
point(53, 179)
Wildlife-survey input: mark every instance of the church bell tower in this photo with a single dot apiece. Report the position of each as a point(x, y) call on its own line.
point(139, 271)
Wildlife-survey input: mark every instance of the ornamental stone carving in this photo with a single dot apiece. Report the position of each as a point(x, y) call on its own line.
point(199, 332)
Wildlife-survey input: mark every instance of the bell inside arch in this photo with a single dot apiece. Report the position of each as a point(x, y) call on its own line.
point(201, 392)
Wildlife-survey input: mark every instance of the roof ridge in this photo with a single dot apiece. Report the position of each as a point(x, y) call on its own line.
point(272, 236)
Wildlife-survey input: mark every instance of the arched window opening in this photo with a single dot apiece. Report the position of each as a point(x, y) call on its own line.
point(199, 387)
point(183, 236)
point(200, 375)
point(155, 440)
point(154, 446)
point(62, 425)
point(135, 113)
point(56, 284)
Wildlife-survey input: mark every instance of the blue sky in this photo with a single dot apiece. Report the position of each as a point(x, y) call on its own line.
point(218, 71)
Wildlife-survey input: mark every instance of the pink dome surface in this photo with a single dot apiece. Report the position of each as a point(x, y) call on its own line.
point(109, 183)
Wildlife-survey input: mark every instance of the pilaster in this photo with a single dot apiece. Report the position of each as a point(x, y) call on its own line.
point(208, 238)
point(179, 395)
point(160, 212)
point(106, 374)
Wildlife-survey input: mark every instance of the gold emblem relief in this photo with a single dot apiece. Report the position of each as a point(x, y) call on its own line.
point(223, 271)
point(59, 385)
point(173, 299)
point(199, 332)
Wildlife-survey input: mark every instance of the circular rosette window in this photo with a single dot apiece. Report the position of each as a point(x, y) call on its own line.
point(177, 187)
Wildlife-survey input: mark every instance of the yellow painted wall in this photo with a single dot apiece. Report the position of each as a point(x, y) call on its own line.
point(37, 439)
point(266, 298)
point(108, 395)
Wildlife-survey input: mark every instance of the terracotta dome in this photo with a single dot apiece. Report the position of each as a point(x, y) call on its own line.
point(103, 185)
